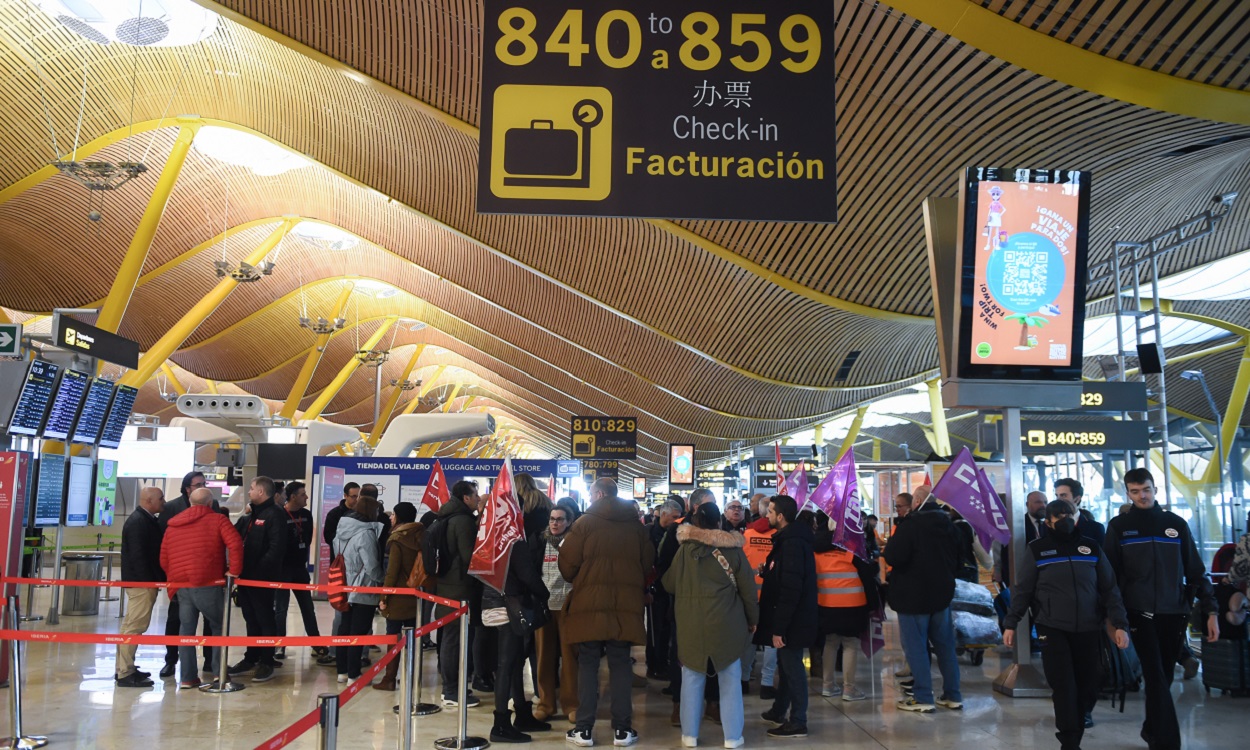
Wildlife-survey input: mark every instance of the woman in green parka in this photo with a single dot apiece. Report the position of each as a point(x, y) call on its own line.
point(713, 590)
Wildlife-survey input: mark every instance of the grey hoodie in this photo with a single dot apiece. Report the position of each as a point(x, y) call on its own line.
point(357, 541)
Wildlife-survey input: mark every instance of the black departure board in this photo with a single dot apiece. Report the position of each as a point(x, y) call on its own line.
point(94, 409)
point(118, 416)
point(65, 404)
point(50, 490)
point(33, 402)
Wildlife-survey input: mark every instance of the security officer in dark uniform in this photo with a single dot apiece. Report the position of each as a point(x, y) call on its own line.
point(1068, 582)
point(1158, 569)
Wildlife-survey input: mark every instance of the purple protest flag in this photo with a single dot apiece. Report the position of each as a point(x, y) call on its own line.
point(849, 531)
point(995, 511)
point(824, 496)
point(796, 485)
point(872, 639)
point(960, 488)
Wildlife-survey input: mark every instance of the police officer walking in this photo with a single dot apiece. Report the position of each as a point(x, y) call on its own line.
point(1069, 583)
point(1158, 569)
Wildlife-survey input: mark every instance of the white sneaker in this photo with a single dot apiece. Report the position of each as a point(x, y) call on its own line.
point(733, 744)
point(832, 692)
point(342, 679)
point(689, 741)
point(852, 693)
point(581, 738)
point(623, 737)
point(953, 705)
point(911, 704)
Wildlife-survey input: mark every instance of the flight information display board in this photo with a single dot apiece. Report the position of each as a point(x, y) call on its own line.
point(49, 490)
point(78, 492)
point(33, 402)
point(65, 404)
point(118, 416)
point(94, 409)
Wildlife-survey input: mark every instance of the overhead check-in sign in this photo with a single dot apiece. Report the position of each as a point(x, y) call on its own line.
point(614, 438)
point(700, 109)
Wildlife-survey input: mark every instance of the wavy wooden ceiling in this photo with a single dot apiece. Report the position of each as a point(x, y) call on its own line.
point(548, 316)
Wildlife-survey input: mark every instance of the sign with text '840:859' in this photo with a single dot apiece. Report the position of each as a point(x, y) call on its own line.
point(700, 109)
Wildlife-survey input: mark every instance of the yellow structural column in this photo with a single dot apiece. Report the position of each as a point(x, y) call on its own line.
point(291, 405)
point(154, 357)
point(454, 391)
point(467, 449)
point(393, 398)
point(1232, 416)
point(132, 264)
point(176, 384)
point(852, 434)
point(941, 435)
point(429, 385)
point(326, 396)
point(427, 450)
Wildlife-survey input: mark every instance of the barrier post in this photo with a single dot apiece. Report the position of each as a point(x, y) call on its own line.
point(462, 741)
point(418, 708)
point(108, 575)
point(407, 675)
point(30, 615)
point(18, 741)
point(223, 684)
point(36, 564)
point(328, 725)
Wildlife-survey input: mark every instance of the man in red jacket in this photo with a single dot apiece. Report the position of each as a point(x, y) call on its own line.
point(194, 551)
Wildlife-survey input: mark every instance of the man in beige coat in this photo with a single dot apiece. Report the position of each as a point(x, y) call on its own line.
point(606, 556)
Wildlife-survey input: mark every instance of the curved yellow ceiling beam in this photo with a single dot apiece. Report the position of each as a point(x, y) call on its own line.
point(1056, 59)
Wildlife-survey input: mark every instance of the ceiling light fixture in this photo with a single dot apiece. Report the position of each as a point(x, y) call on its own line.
point(244, 272)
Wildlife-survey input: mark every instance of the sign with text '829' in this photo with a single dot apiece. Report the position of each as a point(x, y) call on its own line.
point(698, 109)
point(613, 438)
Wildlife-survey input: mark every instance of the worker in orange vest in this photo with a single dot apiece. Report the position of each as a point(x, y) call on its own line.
point(846, 592)
point(759, 542)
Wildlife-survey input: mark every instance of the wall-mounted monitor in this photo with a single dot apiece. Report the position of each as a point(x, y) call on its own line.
point(150, 459)
point(66, 403)
point(79, 491)
point(681, 467)
point(1022, 273)
point(49, 490)
point(640, 488)
point(105, 492)
point(118, 415)
point(280, 461)
point(95, 408)
point(32, 402)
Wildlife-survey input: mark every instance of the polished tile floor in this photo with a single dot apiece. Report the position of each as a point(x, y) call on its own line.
point(70, 696)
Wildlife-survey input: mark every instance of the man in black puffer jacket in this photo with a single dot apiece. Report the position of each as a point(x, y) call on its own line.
point(788, 613)
point(264, 532)
point(1068, 581)
point(924, 557)
point(1159, 571)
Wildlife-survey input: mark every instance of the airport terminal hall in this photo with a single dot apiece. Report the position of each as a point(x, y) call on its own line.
point(448, 374)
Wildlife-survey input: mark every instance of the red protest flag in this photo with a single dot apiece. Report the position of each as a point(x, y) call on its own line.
point(498, 528)
point(781, 474)
point(551, 489)
point(436, 494)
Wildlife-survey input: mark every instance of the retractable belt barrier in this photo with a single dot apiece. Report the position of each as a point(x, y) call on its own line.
point(310, 720)
point(117, 639)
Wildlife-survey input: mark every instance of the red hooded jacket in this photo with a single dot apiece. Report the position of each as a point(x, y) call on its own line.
point(195, 544)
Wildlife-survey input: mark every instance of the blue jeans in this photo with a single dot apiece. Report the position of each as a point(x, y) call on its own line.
point(208, 601)
point(768, 671)
point(916, 633)
point(792, 687)
point(731, 714)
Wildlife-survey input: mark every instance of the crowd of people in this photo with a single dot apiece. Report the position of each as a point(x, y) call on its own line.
point(706, 592)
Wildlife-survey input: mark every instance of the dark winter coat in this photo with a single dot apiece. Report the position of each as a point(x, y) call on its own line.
point(402, 549)
point(788, 598)
point(924, 558)
point(606, 556)
point(141, 548)
point(1069, 584)
point(1156, 563)
point(264, 535)
point(461, 536)
point(195, 545)
point(714, 612)
point(524, 579)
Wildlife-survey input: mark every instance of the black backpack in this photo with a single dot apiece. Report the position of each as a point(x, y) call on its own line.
point(436, 553)
point(1121, 671)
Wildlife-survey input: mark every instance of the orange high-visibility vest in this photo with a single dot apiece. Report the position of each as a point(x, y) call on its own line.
point(837, 580)
point(758, 545)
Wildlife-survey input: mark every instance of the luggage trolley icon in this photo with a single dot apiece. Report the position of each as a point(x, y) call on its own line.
point(543, 156)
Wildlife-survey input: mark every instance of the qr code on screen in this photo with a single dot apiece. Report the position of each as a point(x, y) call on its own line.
point(1058, 351)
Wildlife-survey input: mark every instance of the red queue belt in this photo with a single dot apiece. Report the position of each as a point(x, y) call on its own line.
point(328, 588)
point(310, 720)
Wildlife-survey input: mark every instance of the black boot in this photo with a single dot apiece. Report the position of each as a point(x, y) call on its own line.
point(526, 722)
point(503, 731)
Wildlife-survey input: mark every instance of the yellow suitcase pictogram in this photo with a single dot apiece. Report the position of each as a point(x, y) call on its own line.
point(552, 143)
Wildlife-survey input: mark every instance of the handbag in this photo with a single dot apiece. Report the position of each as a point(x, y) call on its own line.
point(526, 615)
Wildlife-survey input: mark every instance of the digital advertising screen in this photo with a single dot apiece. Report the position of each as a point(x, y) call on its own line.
point(32, 403)
point(151, 459)
point(65, 405)
point(118, 415)
point(1022, 273)
point(95, 408)
point(640, 487)
point(49, 490)
point(78, 491)
point(105, 492)
point(681, 466)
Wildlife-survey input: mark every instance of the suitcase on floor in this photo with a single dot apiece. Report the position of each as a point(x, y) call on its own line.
point(1226, 666)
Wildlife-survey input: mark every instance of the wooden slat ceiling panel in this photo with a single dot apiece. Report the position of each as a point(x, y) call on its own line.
point(1195, 40)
